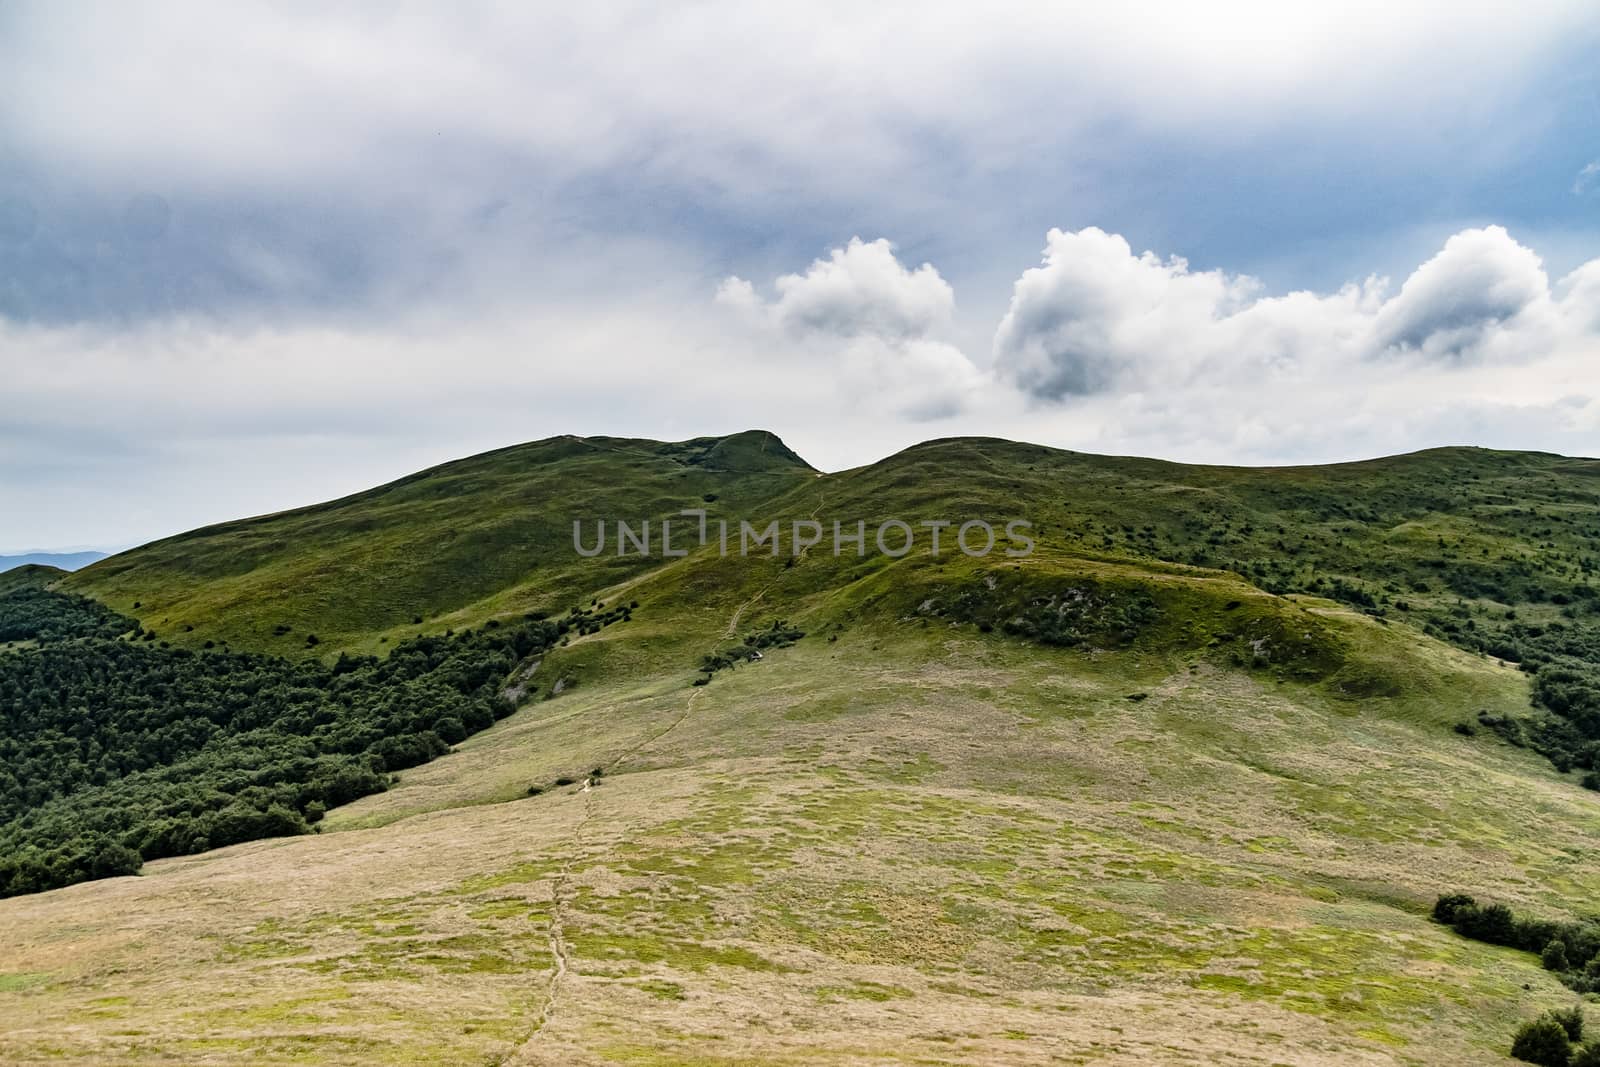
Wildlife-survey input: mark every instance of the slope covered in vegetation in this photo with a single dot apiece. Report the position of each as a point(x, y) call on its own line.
point(113, 752)
point(29, 576)
point(1180, 786)
point(446, 548)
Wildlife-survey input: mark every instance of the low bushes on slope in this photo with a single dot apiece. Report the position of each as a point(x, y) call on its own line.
point(1563, 658)
point(1064, 613)
point(778, 634)
point(1113, 610)
point(1569, 949)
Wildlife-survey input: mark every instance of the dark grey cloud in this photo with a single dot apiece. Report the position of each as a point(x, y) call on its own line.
point(354, 157)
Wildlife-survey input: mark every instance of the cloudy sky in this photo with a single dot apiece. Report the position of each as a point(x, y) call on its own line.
point(259, 256)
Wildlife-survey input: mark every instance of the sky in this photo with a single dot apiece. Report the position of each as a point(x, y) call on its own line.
point(261, 255)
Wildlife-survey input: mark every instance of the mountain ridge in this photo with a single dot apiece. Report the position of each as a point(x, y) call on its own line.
point(66, 561)
point(1180, 785)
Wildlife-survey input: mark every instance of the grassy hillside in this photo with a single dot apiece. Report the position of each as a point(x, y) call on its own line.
point(449, 547)
point(1447, 537)
point(29, 576)
point(1179, 787)
point(66, 561)
point(916, 842)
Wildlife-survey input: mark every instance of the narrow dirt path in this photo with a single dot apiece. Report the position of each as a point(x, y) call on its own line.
point(738, 613)
point(733, 623)
point(560, 951)
point(688, 707)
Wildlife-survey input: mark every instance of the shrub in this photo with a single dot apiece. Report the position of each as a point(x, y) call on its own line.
point(1544, 1042)
point(1587, 1056)
point(1571, 1020)
point(1554, 958)
point(1445, 908)
point(1493, 923)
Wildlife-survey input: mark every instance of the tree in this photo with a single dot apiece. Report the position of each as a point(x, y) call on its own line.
point(1543, 1042)
point(113, 859)
point(1554, 956)
point(1493, 923)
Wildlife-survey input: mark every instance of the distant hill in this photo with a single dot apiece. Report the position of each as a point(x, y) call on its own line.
point(67, 561)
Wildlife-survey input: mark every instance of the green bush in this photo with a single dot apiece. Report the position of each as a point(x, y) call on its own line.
point(1445, 908)
point(1543, 1042)
point(1569, 949)
point(1587, 1056)
point(1493, 923)
point(1554, 958)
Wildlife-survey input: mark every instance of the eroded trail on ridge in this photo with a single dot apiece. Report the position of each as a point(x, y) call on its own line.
point(738, 613)
point(561, 963)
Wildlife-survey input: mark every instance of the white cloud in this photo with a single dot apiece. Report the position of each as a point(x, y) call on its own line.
point(724, 92)
point(877, 324)
point(1480, 280)
point(1094, 310)
point(859, 290)
point(1095, 318)
point(115, 435)
point(1579, 299)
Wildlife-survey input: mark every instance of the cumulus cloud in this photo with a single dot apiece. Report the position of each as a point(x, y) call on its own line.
point(1578, 297)
point(883, 324)
point(1077, 323)
point(1096, 318)
point(1480, 280)
point(859, 290)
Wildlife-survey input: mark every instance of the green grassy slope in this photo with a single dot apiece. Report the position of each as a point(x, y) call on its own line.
point(1428, 528)
point(1449, 532)
point(470, 540)
point(29, 576)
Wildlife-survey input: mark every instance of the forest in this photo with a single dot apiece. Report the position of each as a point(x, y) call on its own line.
point(115, 750)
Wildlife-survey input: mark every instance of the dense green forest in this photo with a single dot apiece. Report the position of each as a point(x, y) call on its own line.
point(38, 615)
point(115, 750)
